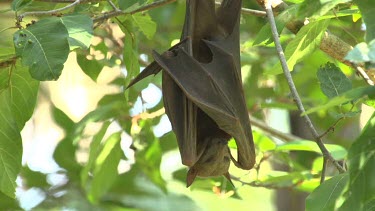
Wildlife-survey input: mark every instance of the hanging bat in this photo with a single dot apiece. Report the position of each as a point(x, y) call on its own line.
point(202, 90)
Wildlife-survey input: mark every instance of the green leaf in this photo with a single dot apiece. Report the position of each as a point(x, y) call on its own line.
point(367, 9)
point(18, 93)
point(106, 164)
point(359, 53)
point(43, 47)
point(130, 5)
point(8, 203)
point(149, 158)
point(101, 113)
point(338, 152)
point(24, 91)
point(145, 24)
point(325, 196)
point(281, 179)
point(263, 142)
point(80, 29)
point(315, 9)
point(361, 159)
point(264, 36)
point(95, 149)
point(304, 44)
point(10, 147)
point(19, 4)
point(350, 95)
point(62, 119)
point(32, 178)
point(332, 81)
point(132, 186)
point(130, 49)
point(370, 103)
point(64, 155)
point(7, 53)
point(92, 67)
point(341, 13)
point(371, 53)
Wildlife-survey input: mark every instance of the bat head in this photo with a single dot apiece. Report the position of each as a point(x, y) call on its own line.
point(214, 161)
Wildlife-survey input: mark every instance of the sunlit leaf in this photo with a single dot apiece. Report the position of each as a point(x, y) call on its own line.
point(305, 42)
point(324, 197)
point(80, 29)
point(263, 142)
point(361, 159)
point(10, 147)
point(145, 24)
point(338, 152)
point(106, 164)
point(18, 92)
point(130, 49)
point(316, 9)
point(92, 67)
point(95, 149)
point(350, 95)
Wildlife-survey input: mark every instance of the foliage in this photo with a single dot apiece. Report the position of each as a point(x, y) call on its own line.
point(37, 49)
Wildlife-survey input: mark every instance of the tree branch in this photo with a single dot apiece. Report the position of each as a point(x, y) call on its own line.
point(20, 17)
point(330, 43)
point(141, 9)
point(113, 5)
point(263, 185)
point(294, 92)
point(273, 132)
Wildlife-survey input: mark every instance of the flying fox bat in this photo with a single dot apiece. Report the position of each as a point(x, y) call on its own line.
point(202, 90)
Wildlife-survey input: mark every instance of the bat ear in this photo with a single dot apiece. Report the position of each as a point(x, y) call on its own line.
point(192, 173)
point(227, 175)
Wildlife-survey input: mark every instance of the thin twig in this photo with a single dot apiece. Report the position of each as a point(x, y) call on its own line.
point(113, 5)
point(273, 132)
point(293, 89)
point(332, 128)
point(20, 17)
point(324, 169)
point(141, 9)
point(67, 1)
point(63, 1)
point(253, 12)
point(363, 73)
point(248, 11)
point(264, 185)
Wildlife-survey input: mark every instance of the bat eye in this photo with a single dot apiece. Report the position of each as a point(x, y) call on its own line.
point(226, 159)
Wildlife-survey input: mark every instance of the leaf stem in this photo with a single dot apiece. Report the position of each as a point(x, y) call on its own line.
point(20, 17)
point(294, 92)
point(141, 9)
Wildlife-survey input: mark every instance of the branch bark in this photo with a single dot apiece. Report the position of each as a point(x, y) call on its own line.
point(141, 9)
point(330, 43)
point(294, 92)
point(20, 17)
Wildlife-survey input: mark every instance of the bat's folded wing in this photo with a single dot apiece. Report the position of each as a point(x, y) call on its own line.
point(216, 88)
